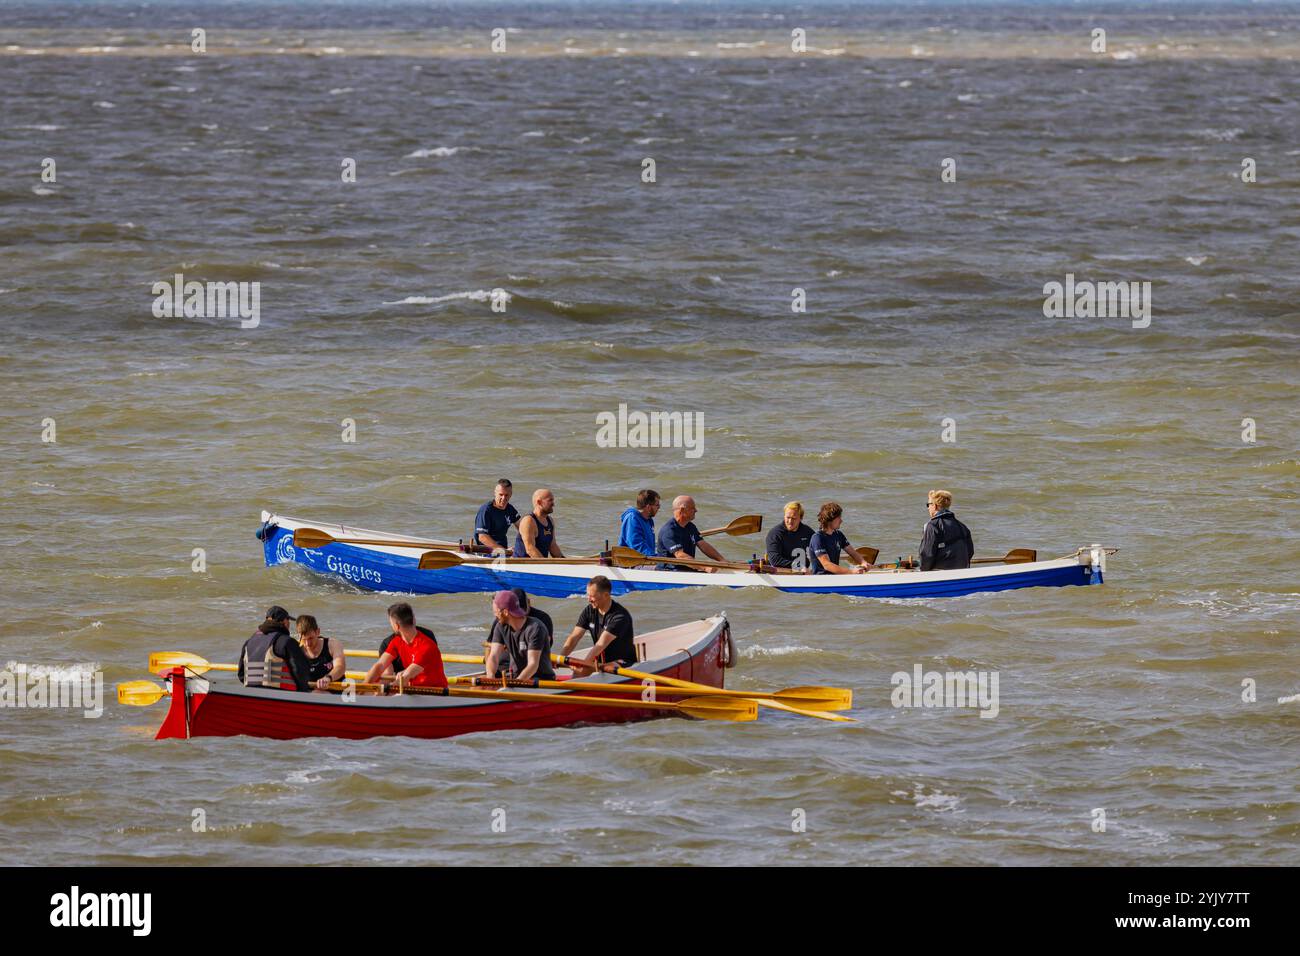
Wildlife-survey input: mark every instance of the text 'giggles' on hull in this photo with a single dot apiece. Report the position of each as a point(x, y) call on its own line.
point(394, 567)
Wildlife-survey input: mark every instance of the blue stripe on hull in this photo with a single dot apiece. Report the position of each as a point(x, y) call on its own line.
point(376, 571)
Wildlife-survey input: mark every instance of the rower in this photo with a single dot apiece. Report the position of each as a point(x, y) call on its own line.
point(495, 518)
point(533, 610)
point(537, 529)
point(411, 651)
point(637, 525)
point(946, 544)
point(271, 657)
point(326, 660)
point(608, 623)
point(826, 544)
point(787, 543)
point(496, 637)
point(680, 537)
point(526, 643)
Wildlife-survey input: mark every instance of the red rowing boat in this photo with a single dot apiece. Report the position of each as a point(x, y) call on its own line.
point(217, 705)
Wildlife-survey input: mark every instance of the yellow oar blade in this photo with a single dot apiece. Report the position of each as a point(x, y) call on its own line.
point(816, 698)
point(803, 711)
point(719, 708)
point(438, 560)
point(166, 660)
point(139, 693)
point(807, 710)
point(309, 538)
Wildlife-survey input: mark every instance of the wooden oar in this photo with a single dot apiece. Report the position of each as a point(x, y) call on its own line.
point(675, 682)
point(311, 538)
point(745, 524)
point(812, 698)
point(630, 558)
point(868, 554)
point(1014, 556)
point(626, 557)
point(703, 708)
point(440, 559)
point(139, 693)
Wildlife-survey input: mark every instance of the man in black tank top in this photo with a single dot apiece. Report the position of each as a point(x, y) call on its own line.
point(537, 529)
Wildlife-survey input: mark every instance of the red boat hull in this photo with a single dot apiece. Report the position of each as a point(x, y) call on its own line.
point(221, 707)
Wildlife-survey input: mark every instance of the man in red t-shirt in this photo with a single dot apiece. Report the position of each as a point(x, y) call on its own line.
point(412, 651)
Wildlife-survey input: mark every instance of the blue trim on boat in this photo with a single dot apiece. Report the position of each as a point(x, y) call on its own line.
point(379, 571)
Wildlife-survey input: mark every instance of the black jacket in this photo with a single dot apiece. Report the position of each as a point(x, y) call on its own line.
point(946, 544)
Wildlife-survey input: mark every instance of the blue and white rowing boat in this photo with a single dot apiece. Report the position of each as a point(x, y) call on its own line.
point(394, 567)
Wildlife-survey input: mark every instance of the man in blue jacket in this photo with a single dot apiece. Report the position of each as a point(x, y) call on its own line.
point(637, 525)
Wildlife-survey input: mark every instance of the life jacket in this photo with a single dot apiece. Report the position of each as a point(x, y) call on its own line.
point(262, 666)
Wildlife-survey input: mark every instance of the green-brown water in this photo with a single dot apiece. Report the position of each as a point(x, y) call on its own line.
point(774, 172)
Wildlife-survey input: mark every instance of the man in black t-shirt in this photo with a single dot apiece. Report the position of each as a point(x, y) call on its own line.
point(495, 518)
point(608, 623)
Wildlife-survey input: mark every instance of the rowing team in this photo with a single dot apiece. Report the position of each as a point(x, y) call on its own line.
point(946, 543)
point(519, 645)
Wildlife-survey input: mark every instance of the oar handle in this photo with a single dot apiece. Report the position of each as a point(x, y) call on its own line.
point(571, 662)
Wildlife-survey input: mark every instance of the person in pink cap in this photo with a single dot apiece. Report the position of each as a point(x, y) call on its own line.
point(525, 651)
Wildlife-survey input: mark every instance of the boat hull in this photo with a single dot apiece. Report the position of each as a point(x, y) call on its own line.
point(217, 705)
point(395, 569)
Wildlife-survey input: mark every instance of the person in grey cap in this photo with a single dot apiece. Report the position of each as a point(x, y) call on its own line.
point(272, 657)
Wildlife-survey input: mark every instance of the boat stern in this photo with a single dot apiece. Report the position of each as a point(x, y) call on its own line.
point(187, 693)
point(1094, 558)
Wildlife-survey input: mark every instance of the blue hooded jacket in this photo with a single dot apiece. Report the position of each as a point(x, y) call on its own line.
point(636, 531)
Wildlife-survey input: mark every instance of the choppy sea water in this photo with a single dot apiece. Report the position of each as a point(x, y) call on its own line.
point(776, 171)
